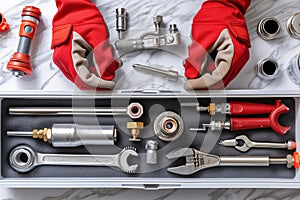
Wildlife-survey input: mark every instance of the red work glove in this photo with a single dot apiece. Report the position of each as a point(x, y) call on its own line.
point(79, 30)
point(220, 45)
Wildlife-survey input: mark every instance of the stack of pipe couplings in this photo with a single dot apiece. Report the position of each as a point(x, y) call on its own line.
point(269, 29)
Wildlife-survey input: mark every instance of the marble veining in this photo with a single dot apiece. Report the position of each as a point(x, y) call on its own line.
point(47, 77)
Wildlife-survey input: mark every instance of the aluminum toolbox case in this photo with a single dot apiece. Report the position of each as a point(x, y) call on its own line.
point(47, 87)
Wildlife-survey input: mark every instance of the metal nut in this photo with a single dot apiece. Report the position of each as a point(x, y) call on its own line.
point(168, 126)
point(135, 110)
point(268, 69)
point(294, 69)
point(268, 28)
point(135, 128)
point(293, 26)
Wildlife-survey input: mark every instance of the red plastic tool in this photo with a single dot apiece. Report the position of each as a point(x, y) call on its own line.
point(238, 124)
point(244, 108)
point(20, 63)
point(4, 26)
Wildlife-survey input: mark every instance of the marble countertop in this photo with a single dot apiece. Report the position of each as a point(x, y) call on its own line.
point(47, 77)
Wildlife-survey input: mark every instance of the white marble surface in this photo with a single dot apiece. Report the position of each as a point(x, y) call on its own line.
point(47, 77)
point(126, 194)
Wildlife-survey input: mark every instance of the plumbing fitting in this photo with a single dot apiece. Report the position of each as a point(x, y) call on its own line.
point(121, 22)
point(168, 126)
point(20, 64)
point(4, 26)
point(135, 129)
point(293, 26)
point(267, 69)
point(134, 111)
point(72, 135)
point(197, 161)
point(268, 28)
point(151, 152)
point(294, 69)
point(150, 40)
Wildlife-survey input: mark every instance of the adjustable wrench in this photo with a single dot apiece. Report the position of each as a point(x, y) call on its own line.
point(23, 159)
point(197, 161)
point(248, 144)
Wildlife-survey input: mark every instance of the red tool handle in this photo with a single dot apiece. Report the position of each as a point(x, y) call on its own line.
point(244, 108)
point(257, 123)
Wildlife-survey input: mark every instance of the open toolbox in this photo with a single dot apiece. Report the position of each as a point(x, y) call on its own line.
point(152, 172)
point(149, 132)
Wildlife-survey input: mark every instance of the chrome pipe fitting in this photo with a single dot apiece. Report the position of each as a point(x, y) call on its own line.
point(267, 69)
point(268, 28)
point(293, 26)
point(294, 69)
point(168, 126)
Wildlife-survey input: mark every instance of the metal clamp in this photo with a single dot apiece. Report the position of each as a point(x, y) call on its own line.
point(150, 40)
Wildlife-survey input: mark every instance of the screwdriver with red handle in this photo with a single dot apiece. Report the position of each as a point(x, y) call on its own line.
point(236, 108)
point(237, 124)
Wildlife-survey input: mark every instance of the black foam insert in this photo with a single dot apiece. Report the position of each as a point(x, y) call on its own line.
point(205, 141)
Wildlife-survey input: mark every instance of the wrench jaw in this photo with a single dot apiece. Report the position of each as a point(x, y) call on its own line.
point(195, 161)
point(123, 160)
point(23, 159)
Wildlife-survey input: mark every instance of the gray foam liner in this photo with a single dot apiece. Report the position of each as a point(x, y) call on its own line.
point(152, 107)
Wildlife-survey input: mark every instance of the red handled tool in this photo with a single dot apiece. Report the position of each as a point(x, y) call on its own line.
point(236, 108)
point(237, 124)
point(20, 64)
point(4, 26)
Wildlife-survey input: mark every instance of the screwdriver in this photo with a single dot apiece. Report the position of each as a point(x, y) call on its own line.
point(72, 135)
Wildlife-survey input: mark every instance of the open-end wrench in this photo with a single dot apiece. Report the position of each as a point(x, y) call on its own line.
point(23, 159)
point(134, 111)
point(197, 161)
point(248, 144)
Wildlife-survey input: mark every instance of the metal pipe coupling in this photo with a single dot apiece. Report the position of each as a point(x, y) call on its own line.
point(268, 28)
point(294, 69)
point(293, 26)
point(267, 69)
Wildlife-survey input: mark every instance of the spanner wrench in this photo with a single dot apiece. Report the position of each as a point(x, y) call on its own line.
point(248, 144)
point(23, 159)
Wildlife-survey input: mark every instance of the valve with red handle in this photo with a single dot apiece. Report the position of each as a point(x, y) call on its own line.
point(20, 63)
point(237, 124)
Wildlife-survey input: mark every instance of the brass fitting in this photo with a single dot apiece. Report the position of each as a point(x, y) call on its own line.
point(135, 128)
point(44, 134)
